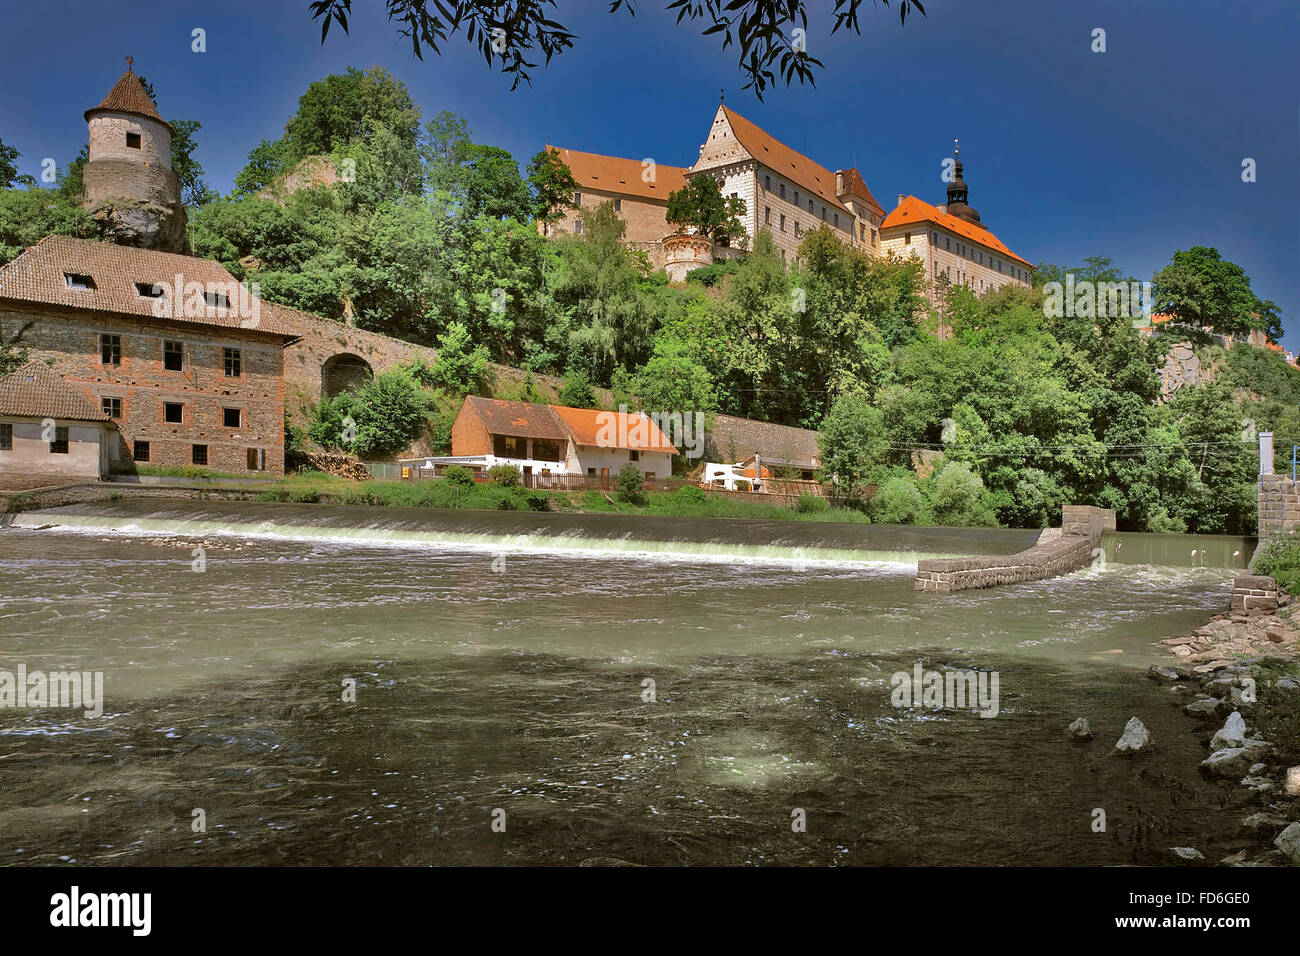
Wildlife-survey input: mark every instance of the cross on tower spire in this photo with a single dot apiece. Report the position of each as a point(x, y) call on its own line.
point(130, 60)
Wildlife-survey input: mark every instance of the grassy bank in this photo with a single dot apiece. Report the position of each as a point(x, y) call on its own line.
point(313, 487)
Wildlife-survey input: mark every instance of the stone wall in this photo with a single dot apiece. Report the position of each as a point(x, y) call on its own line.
point(1279, 504)
point(1251, 592)
point(1057, 551)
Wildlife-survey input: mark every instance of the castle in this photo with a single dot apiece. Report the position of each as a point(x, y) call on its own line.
point(790, 195)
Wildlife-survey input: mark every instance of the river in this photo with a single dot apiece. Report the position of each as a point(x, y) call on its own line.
point(644, 690)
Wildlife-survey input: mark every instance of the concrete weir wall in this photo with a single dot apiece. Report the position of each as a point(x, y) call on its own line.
point(1057, 551)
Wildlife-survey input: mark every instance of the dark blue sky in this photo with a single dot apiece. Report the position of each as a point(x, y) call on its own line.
point(1129, 154)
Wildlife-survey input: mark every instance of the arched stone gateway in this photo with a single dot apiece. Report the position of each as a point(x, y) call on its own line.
point(342, 372)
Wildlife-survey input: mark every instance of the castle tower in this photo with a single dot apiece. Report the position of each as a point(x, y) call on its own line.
point(131, 191)
point(958, 194)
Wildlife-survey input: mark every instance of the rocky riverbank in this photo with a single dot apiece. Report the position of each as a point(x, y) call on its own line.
point(1237, 679)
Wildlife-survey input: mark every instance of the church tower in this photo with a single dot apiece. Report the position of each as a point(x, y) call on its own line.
point(131, 191)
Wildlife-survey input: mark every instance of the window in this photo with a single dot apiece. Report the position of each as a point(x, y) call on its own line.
point(862, 232)
point(110, 349)
point(767, 215)
point(257, 459)
point(132, 140)
point(60, 444)
point(633, 455)
point(199, 454)
point(837, 220)
point(577, 227)
point(140, 451)
point(796, 230)
point(173, 356)
point(796, 197)
point(618, 205)
point(947, 243)
point(231, 361)
point(78, 280)
point(577, 199)
point(6, 436)
point(767, 184)
point(112, 407)
point(216, 300)
point(230, 417)
point(783, 190)
point(907, 238)
point(174, 413)
point(810, 205)
point(508, 446)
point(783, 222)
point(149, 290)
point(546, 450)
point(591, 472)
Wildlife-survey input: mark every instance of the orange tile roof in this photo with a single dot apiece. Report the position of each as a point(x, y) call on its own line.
point(128, 96)
point(912, 210)
point(614, 175)
point(858, 187)
point(39, 275)
point(782, 159)
point(35, 391)
point(520, 419)
point(600, 429)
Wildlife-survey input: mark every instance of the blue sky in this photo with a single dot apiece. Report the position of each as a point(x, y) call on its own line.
point(1131, 153)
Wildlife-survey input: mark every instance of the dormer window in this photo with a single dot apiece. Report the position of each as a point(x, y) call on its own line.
point(78, 280)
point(216, 300)
point(150, 290)
point(132, 140)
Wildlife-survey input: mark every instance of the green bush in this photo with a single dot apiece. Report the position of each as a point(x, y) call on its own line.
point(898, 501)
point(1279, 553)
point(504, 476)
point(459, 475)
point(810, 504)
point(389, 411)
point(536, 501)
point(690, 494)
point(630, 485)
point(958, 499)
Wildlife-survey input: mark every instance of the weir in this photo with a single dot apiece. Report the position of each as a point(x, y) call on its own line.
point(1076, 544)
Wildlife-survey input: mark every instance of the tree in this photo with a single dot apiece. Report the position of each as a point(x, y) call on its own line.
point(852, 442)
point(387, 413)
point(9, 168)
point(700, 205)
point(507, 32)
point(957, 500)
point(553, 186)
point(1202, 289)
point(461, 367)
point(265, 164)
point(630, 484)
point(194, 190)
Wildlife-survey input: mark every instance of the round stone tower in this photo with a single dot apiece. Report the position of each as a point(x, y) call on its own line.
point(131, 191)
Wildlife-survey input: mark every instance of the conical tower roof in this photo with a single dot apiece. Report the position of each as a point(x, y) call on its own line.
point(128, 96)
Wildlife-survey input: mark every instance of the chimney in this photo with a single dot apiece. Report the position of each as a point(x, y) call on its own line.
point(1266, 453)
point(900, 199)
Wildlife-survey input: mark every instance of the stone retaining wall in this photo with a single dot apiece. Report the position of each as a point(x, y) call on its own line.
point(1254, 591)
point(1057, 551)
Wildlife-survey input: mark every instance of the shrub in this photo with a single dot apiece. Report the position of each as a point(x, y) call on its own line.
point(1279, 553)
point(811, 504)
point(459, 475)
point(958, 499)
point(898, 501)
point(505, 476)
point(389, 411)
point(536, 501)
point(630, 484)
point(691, 494)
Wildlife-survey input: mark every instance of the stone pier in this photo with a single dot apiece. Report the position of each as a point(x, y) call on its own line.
point(1061, 550)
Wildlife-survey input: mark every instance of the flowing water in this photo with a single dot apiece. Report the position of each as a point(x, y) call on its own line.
point(642, 690)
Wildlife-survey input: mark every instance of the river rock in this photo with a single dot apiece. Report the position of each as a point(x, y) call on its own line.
point(1188, 853)
point(1288, 842)
point(1135, 737)
point(1289, 684)
point(1238, 698)
point(1234, 761)
point(1079, 729)
point(1232, 734)
point(1270, 822)
point(1292, 781)
point(1206, 709)
point(1165, 675)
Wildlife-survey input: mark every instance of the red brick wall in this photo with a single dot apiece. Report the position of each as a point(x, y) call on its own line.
point(469, 436)
point(71, 340)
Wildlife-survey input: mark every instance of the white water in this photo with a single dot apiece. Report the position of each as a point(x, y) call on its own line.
point(693, 551)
